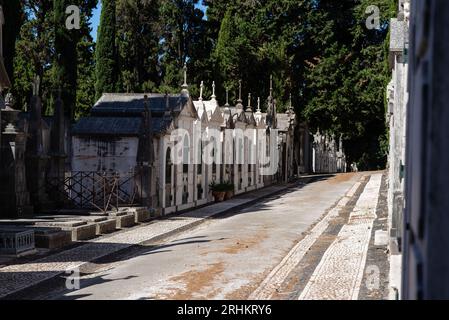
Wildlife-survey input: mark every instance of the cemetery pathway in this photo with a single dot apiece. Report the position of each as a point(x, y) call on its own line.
point(309, 242)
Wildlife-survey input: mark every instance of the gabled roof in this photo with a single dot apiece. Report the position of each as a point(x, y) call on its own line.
point(132, 104)
point(188, 109)
point(250, 118)
point(227, 117)
point(117, 126)
point(260, 119)
point(238, 115)
point(108, 126)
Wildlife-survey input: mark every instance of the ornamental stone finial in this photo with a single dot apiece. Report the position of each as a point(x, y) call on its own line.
point(185, 86)
point(213, 91)
point(258, 105)
point(201, 91)
point(248, 108)
point(240, 90)
point(9, 101)
point(240, 101)
point(227, 97)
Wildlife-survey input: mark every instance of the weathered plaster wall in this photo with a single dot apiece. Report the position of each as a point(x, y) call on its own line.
point(104, 154)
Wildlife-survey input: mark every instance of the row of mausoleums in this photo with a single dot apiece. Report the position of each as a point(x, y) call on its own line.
point(182, 146)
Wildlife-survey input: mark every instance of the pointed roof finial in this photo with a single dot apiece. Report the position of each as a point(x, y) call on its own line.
point(271, 85)
point(248, 108)
point(227, 97)
point(185, 86)
point(213, 91)
point(201, 91)
point(290, 107)
point(258, 105)
point(240, 101)
point(240, 91)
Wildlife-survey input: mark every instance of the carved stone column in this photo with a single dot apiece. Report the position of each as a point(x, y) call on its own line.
point(14, 197)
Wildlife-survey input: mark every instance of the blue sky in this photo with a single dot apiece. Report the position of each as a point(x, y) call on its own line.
point(95, 21)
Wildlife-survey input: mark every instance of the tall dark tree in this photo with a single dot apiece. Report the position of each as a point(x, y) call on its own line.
point(34, 52)
point(66, 56)
point(138, 33)
point(39, 51)
point(14, 16)
point(182, 37)
point(257, 40)
point(346, 78)
point(106, 50)
point(85, 90)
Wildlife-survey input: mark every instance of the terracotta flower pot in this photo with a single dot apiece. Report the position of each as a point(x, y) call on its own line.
point(229, 195)
point(219, 196)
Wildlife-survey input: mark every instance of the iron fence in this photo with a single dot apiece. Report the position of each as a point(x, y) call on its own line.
point(96, 190)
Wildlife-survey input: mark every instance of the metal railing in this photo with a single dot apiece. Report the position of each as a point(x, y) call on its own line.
point(96, 190)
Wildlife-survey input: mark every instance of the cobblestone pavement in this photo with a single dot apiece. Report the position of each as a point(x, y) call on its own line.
point(339, 274)
point(19, 276)
point(279, 274)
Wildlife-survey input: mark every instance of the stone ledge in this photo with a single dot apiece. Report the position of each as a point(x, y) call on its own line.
point(141, 215)
point(53, 240)
point(106, 226)
point(82, 232)
point(125, 221)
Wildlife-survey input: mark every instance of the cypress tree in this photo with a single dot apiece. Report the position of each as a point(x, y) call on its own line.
point(106, 52)
point(65, 67)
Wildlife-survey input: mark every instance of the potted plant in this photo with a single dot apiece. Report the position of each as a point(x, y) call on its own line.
point(218, 191)
point(229, 187)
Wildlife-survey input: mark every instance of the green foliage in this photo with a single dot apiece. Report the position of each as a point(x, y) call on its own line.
point(34, 54)
point(184, 39)
point(320, 51)
point(347, 79)
point(106, 51)
point(138, 31)
point(13, 10)
point(221, 187)
point(45, 48)
point(256, 40)
point(65, 45)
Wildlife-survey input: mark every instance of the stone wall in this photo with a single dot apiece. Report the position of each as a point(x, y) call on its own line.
point(104, 155)
point(397, 97)
point(426, 236)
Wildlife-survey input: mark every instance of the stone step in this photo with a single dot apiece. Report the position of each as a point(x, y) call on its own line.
point(80, 230)
point(62, 223)
point(140, 214)
point(125, 221)
point(53, 240)
point(106, 226)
